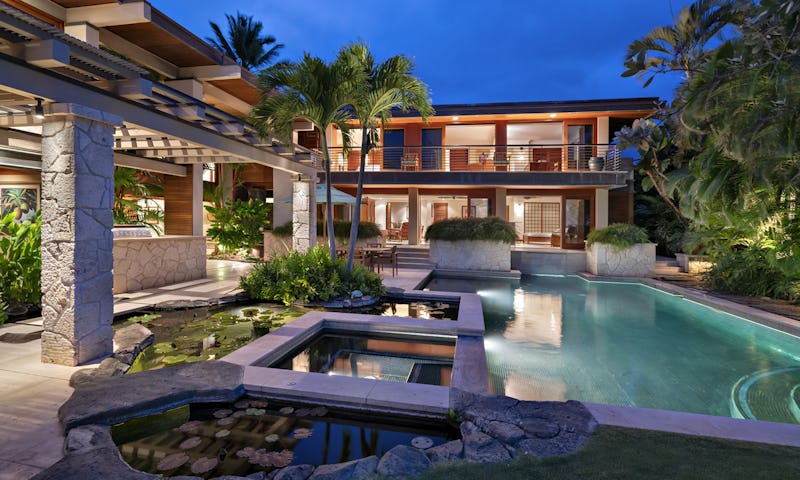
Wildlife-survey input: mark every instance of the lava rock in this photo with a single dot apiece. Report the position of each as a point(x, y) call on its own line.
point(132, 339)
point(86, 438)
point(355, 469)
point(505, 432)
point(295, 472)
point(403, 461)
point(447, 452)
point(481, 448)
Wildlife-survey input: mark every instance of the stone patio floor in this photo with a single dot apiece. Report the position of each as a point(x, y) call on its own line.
point(30, 437)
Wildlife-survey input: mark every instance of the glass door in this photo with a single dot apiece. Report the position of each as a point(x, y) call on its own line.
point(431, 148)
point(393, 148)
point(580, 139)
point(577, 223)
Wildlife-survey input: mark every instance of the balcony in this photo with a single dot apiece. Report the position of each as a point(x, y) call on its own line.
point(480, 158)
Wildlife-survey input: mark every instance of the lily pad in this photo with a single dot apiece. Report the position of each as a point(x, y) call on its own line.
point(171, 462)
point(286, 410)
point(239, 414)
point(174, 359)
point(259, 403)
point(163, 347)
point(318, 412)
point(272, 438)
point(204, 465)
point(301, 433)
point(302, 412)
point(246, 452)
point(226, 421)
point(256, 411)
point(190, 427)
point(222, 413)
point(421, 442)
point(242, 404)
point(190, 443)
point(222, 433)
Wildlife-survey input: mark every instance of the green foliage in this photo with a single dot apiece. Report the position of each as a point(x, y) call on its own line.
point(3, 314)
point(239, 224)
point(244, 42)
point(753, 271)
point(308, 277)
point(131, 187)
point(341, 229)
point(620, 235)
point(489, 228)
point(20, 260)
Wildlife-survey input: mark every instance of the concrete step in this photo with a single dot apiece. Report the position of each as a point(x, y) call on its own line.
point(663, 270)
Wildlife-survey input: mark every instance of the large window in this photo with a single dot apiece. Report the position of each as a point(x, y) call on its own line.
point(542, 217)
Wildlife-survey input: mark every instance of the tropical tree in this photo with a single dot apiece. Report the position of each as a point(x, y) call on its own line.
point(681, 47)
point(244, 42)
point(131, 187)
point(310, 89)
point(380, 87)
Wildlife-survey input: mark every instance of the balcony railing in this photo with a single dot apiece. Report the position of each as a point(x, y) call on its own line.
point(480, 158)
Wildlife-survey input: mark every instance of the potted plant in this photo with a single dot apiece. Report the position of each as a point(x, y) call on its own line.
point(596, 164)
point(620, 250)
point(471, 244)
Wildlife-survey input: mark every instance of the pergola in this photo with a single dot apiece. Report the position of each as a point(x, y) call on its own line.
point(73, 111)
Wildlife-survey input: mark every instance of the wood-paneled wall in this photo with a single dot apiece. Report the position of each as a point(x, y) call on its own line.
point(178, 204)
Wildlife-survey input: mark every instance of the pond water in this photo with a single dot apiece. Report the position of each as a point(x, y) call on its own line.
point(254, 435)
point(192, 335)
point(396, 358)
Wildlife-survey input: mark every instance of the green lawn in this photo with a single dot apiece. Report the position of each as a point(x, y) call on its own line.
point(620, 453)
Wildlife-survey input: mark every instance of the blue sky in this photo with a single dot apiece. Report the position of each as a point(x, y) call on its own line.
point(467, 51)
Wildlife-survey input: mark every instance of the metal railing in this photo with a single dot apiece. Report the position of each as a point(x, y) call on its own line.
point(483, 158)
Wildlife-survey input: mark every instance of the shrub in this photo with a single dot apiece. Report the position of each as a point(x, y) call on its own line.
point(308, 277)
point(21, 260)
point(752, 271)
point(341, 229)
point(620, 235)
point(239, 224)
point(3, 315)
point(489, 228)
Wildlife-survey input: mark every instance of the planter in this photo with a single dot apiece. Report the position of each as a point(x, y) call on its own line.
point(693, 263)
point(275, 245)
point(471, 255)
point(596, 164)
point(638, 260)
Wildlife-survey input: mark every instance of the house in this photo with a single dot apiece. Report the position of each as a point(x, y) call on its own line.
point(535, 164)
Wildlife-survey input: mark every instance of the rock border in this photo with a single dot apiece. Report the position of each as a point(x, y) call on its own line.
point(493, 428)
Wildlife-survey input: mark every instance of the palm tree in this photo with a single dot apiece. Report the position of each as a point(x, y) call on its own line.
point(380, 88)
point(244, 42)
point(310, 89)
point(681, 47)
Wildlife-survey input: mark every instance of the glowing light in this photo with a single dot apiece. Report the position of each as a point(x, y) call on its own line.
point(552, 115)
point(455, 119)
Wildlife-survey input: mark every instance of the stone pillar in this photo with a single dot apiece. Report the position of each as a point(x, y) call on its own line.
point(600, 208)
point(197, 200)
point(413, 216)
point(500, 203)
point(304, 215)
point(77, 245)
point(281, 188)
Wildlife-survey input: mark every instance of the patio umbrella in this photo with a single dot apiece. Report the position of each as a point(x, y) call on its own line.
point(338, 197)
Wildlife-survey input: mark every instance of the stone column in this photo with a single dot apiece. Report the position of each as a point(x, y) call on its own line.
point(500, 203)
point(304, 215)
point(413, 216)
point(281, 188)
point(77, 196)
point(197, 200)
point(600, 208)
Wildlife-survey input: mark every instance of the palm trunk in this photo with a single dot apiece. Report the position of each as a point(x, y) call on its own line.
point(357, 209)
point(663, 194)
point(328, 205)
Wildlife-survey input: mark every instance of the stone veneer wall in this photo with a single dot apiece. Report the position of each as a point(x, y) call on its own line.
point(141, 263)
point(471, 255)
point(638, 260)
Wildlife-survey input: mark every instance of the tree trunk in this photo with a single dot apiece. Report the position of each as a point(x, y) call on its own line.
point(328, 205)
point(357, 209)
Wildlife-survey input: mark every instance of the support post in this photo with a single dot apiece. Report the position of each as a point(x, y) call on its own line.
point(413, 216)
point(600, 208)
point(77, 244)
point(304, 214)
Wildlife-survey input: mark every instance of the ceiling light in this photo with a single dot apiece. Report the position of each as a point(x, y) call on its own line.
point(455, 118)
point(38, 110)
point(552, 115)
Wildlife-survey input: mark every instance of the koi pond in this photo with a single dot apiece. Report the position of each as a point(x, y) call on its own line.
point(198, 334)
point(255, 435)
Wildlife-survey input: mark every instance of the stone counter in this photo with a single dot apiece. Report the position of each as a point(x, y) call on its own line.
point(142, 263)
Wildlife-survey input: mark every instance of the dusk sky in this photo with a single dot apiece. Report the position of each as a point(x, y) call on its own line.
point(467, 51)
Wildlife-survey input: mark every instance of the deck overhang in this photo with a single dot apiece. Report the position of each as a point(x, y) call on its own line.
point(486, 179)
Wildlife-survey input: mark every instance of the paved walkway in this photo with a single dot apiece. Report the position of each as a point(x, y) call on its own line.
point(31, 392)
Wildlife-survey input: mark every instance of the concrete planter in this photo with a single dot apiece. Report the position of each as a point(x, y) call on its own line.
point(471, 255)
point(693, 263)
point(275, 245)
point(142, 263)
point(638, 260)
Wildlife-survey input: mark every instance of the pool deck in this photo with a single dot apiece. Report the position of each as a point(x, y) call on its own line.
point(31, 438)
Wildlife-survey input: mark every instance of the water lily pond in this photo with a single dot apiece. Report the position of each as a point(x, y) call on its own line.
point(255, 435)
point(198, 334)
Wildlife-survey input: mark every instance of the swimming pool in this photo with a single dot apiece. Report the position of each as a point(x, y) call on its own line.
point(562, 337)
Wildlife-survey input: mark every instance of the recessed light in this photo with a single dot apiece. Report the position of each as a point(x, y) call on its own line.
point(38, 110)
point(552, 115)
point(455, 118)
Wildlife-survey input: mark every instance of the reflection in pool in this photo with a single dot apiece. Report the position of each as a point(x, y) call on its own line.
point(407, 358)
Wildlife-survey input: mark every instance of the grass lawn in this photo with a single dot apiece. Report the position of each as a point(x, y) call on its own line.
point(617, 453)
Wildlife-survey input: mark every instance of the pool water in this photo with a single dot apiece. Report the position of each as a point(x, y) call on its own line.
point(254, 435)
point(393, 358)
point(558, 338)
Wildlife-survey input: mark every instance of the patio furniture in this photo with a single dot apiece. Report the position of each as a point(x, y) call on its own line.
point(404, 231)
point(387, 256)
point(409, 162)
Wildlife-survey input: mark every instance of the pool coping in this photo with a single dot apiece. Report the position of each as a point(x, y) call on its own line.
point(470, 370)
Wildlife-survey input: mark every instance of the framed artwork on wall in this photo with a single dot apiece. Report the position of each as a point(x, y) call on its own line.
point(21, 200)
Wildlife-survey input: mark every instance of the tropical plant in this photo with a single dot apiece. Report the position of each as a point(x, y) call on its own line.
point(620, 235)
point(239, 224)
point(3, 314)
point(310, 89)
point(455, 229)
point(244, 43)
point(379, 88)
point(341, 229)
point(681, 47)
point(19, 201)
point(20, 260)
point(133, 194)
point(307, 277)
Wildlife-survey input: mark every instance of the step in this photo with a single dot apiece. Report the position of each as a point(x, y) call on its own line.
point(667, 270)
point(666, 263)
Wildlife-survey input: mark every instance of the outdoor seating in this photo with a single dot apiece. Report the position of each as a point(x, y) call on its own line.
point(388, 257)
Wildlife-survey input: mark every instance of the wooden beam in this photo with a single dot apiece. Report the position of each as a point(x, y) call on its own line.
point(192, 160)
point(185, 112)
point(212, 72)
point(25, 120)
point(139, 163)
point(142, 56)
point(110, 14)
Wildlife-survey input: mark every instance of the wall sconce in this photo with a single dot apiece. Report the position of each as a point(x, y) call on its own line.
point(38, 110)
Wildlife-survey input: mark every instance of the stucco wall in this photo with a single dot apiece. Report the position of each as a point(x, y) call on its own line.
point(471, 255)
point(638, 260)
point(141, 263)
